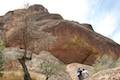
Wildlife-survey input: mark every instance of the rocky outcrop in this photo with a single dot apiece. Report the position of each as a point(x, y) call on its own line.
point(38, 8)
point(88, 26)
point(43, 58)
point(13, 54)
point(69, 41)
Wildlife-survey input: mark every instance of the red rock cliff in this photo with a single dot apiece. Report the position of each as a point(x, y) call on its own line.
point(67, 40)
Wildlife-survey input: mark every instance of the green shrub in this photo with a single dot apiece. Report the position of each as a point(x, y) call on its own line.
point(117, 62)
point(49, 68)
point(1, 57)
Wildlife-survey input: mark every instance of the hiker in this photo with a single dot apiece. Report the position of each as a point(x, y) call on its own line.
point(79, 74)
point(85, 73)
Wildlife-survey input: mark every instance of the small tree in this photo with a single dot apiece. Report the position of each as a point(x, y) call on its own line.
point(49, 68)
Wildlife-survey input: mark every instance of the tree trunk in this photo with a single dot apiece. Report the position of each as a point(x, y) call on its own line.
point(47, 78)
point(26, 73)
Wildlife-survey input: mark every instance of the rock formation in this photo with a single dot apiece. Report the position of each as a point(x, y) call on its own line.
point(110, 74)
point(69, 41)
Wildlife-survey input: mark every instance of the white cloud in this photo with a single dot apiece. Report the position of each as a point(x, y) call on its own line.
point(106, 26)
point(69, 9)
point(116, 37)
point(7, 5)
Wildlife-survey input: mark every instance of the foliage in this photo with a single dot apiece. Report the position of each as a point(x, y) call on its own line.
point(117, 62)
point(1, 56)
point(1, 46)
point(49, 68)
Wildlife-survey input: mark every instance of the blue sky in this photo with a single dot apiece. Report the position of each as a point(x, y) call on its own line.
point(106, 18)
point(103, 15)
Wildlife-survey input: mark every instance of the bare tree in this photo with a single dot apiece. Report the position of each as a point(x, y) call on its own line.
point(25, 45)
point(25, 39)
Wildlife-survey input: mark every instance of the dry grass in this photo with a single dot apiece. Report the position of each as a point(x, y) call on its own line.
point(18, 75)
point(108, 74)
point(104, 62)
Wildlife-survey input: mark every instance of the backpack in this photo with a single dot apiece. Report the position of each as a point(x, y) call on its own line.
point(79, 73)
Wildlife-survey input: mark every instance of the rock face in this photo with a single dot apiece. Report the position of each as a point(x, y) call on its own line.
point(13, 54)
point(110, 74)
point(69, 41)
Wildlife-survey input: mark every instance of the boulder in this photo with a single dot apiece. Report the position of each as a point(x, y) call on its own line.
point(38, 8)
